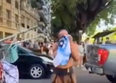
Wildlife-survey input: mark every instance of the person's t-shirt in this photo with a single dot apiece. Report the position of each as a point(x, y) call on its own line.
point(107, 42)
point(85, 47)
point(19, 43)
point(36, 46)
point(81, 49)
point(25, 44)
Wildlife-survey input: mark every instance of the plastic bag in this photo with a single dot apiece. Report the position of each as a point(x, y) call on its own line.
point(11, 74)
point(12, 54)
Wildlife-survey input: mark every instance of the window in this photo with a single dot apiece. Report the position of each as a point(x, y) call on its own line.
point(23, 51)
point(28, 27)
point(23, 25)
point(8, 34)
point(0, 11)
point(20, 51)
point(16, 5)
point(1, 19)
point(1, 35)
point(8, 14)
point(9, 1)
point(16, 19)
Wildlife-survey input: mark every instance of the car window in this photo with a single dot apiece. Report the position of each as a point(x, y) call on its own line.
point(23, 51)
point(20, 51)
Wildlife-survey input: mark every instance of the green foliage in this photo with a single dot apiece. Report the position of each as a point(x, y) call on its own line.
point(64, 11)
point(108, 15)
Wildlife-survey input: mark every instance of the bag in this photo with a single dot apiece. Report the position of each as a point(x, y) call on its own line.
point(81, 49)
point(74, 51)
point(13, 54)
point(11, 73)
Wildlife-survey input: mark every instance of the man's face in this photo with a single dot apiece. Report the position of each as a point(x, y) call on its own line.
point(107, 39)
point(62, 33)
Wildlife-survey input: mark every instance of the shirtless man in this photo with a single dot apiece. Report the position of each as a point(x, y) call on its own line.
point(66, 78)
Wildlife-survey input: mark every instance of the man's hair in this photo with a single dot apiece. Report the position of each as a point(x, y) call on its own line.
point(62, 31)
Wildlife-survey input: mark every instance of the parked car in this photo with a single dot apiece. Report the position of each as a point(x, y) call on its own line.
point(101, 60)
point(32, 64)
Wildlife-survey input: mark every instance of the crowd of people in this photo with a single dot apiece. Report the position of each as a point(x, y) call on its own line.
point(41, 47)
point(45, 47)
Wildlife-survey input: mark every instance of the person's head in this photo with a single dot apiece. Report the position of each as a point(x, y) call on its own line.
point(107, 38)
point(41, 44)
point(62, 33)
point(87, 40)
point(81, 43)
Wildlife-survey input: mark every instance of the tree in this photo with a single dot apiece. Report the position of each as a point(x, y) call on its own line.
point(64, 11)
point(75, 15)
point(79, 15)
point(107, 15)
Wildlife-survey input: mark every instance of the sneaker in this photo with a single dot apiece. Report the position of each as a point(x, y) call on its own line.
point(82, 65)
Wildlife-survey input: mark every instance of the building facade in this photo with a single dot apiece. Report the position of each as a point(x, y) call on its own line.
point(29, 18)
point(16, 16)
point(8, 11)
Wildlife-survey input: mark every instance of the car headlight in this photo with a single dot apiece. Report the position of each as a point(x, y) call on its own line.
point(45, 62)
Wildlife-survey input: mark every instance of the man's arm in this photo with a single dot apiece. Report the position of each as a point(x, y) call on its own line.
point(68, 65)
point(74, 51)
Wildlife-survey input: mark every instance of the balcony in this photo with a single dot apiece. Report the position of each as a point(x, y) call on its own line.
point(26, 7)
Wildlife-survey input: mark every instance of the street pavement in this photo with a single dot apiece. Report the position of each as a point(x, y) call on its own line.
point(82, 77)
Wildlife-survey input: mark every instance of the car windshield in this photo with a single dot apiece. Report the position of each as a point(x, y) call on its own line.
point(25, 49)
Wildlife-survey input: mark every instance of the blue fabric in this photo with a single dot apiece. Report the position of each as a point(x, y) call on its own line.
point(13, 54)
point(64, 50)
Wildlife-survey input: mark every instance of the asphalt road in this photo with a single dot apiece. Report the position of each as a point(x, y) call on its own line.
point(83, 77)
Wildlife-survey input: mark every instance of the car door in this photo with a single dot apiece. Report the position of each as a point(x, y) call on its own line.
point(22, 60)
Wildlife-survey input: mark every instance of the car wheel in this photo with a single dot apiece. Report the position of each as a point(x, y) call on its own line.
point(112, 79)
point(36, 72)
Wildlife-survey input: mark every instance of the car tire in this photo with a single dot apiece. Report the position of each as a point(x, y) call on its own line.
point(36, 72)
point(112, 79)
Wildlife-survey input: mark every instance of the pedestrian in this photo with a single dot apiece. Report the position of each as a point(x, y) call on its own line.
point(86, 43)
point(107, 41)
point(64, 73)
point(36, 45)
point(81, 54)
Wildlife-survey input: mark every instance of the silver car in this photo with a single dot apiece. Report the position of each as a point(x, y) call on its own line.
point(101, 60)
